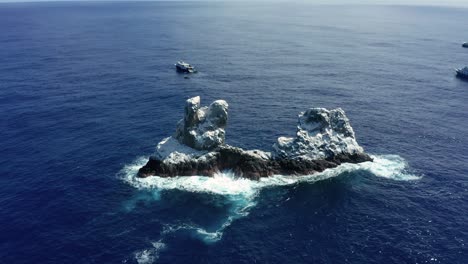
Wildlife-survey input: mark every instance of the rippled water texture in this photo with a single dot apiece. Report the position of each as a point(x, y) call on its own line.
point(88, 89)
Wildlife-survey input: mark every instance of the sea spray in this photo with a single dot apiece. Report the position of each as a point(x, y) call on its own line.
point(226, 183)
point(241, 192)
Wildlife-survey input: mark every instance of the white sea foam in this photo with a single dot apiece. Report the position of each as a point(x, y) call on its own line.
point(205, 235)
point(386, 166)
point(150, 255)
point(242, 192)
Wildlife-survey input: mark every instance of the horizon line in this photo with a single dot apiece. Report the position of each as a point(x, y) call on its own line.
point(321, 3)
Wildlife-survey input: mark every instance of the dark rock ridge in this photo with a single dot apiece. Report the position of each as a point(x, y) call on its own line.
point(324, 139)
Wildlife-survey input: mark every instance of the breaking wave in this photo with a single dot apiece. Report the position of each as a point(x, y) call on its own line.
point(225, 183)
point(241, 192)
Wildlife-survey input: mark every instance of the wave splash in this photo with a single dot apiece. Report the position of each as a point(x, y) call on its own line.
point(150, 255)
point(241, 192)
point(225, 183)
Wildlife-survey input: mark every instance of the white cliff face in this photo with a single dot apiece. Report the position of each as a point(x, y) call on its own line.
point(203, 127)
point(321, 134)
point(170, 150)
point(197, 147)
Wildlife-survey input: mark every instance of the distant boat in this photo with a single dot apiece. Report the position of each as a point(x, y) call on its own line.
point(462, 73)
point(184, 67)
point(465, 45)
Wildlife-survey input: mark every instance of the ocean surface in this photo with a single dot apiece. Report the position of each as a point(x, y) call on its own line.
point(88, 89)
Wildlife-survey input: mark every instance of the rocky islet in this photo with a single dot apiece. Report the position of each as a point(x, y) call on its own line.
point(324, 139)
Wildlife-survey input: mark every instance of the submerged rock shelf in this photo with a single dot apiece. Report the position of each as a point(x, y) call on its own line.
point(324, 139)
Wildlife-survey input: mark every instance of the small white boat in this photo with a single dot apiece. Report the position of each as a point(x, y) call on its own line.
point(184, 67)
point(462, 73)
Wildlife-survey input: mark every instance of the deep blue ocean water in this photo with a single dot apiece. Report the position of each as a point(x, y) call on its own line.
point(88, 89)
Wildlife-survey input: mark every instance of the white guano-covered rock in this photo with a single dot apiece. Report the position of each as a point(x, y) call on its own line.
point(202, 128)
point(324, 140)
point(170, 150)
point(321, 134)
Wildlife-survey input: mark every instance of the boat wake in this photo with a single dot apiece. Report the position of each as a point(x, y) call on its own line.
point(241, 192)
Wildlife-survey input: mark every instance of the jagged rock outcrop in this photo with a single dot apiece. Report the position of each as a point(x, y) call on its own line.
point(321, 134)
point(324, 139)
point(202, 128)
